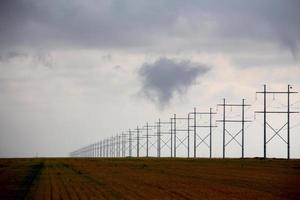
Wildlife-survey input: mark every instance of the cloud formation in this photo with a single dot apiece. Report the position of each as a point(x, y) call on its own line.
point(147, 24)
point(165, 77)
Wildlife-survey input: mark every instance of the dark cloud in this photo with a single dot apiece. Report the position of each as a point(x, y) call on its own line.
point(7, 56)
point(143, 23)
point(165, 77)
point(39, 58)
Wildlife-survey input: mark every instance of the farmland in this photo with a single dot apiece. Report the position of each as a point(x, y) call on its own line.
point(149, 178)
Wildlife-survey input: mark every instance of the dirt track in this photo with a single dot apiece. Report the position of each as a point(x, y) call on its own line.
point(149, 179)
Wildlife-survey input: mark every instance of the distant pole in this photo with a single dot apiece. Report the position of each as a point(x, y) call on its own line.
point(171, 122)
point(100, 144)
point(123, 145)
point(100, 149)
point(107, 145)
point(243, 119)
point(188, 130)
point(288, 123)
point(147, 150)
point(224, 128)
point(97, 149)
point(110, 146)
point(265, 121)
point(210, 133)
point(195, 134)
point(104, 148)
point(90, 150)
point(138, 143)
point(119, 145)
point(114, 147)
point(93, 150)
point(130, 144)
point(175, 137)
point(158, 138)
point(110, 143)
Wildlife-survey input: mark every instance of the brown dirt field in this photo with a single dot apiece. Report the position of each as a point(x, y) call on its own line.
point(152, 178)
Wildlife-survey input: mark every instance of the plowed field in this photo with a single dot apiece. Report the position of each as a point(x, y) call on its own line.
point(95, 178)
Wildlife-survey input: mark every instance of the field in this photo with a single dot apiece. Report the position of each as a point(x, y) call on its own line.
point(152, 178)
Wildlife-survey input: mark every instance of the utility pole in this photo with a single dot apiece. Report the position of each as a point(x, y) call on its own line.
point(188, 135)
point(179, 138)
point(174, 135)
point(130, 144)
point(243, 128)
point(195, 133)
point(224, 128)
point(147, 136)
point(242, 121)
point(288, 122)
point(171, 131)
point(265, 121)
point(265, 112)
point(158, 139)
point(147, 128)
point(203, 139)
point(210, 133)
point(138, 142)
point(119, 145)
point(123, 145)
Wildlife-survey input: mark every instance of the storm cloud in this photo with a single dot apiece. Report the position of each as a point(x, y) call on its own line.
point(137, 24)
point(165, 77)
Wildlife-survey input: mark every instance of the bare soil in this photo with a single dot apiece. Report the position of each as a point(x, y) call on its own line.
point(149, 178)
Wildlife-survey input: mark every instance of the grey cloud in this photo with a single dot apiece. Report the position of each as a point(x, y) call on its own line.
point(39, 57)
point(46, 59)
point(165, 77)
point(143, 23)
point(7, 56)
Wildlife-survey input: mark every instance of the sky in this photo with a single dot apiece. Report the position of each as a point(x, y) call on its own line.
point(75, 72)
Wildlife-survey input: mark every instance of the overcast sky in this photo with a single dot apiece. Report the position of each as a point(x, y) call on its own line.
point(74, 72)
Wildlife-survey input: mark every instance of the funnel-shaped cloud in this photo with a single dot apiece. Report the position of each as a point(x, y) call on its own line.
point(165, 77)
